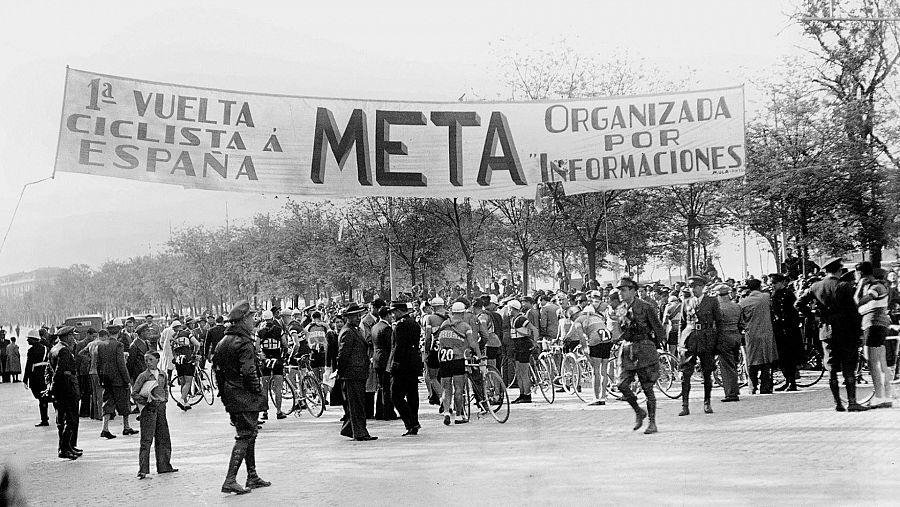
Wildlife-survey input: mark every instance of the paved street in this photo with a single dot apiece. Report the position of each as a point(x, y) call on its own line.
point(786, 449)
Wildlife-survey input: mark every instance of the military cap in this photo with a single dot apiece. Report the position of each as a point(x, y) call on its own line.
point(753, 284)
point(240, 310)
point(63, 331)
point(697, 280)
point(400, 307)
point(721, 289)
point(777, 277)
point(833, 263)
point(143, 327)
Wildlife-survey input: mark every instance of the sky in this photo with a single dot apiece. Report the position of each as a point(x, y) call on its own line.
point(387, 50)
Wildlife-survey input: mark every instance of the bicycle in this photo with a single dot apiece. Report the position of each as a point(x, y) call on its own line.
point(576, 374)
point(552, 356)
point(742, 372)
point(495, 395)
point(863, 394)
point(310, 394)
point(540, 375)
point(201, 387)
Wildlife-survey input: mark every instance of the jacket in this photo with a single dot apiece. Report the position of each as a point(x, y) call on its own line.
point(213, 337)
point(234, 364)
point(756, 322)
point(834, 305)
point(136, 363)
point(36, 361)
point(405, 357)
point(381, 338)
point(111, 364)
point(701, 324)
point(353, 357)
point(637, 322)
point(65, 380)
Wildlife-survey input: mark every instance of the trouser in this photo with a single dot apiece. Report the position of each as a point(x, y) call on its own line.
point(405, 396)
point(454, 387)
point(688, 361)
point(523, 378)
point(647, 376)
point(384, 404)
point(96, 397)
point(44, 407)
point(787, 358)
point(841, 356)
point(728, 360)
point(507, 360)
point(84, 383)
point(275, 383)
point(245, 426)
point(761, 375)
point(155, 429)
point(67, 424)
point(355, 394)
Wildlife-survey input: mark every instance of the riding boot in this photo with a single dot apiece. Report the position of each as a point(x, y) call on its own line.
point(707, 392)
point(836, 393)
point(651, 413)
point(639, 413)
point(238, 453)
point(253, 480)
point(852, 405)
point(685, 395)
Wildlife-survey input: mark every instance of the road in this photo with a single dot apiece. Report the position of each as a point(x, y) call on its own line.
point(782, 449)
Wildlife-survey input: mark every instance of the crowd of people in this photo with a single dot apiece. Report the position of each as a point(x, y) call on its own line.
point(374, 356)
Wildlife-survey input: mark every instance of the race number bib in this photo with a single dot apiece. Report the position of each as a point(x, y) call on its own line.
point(445, 355)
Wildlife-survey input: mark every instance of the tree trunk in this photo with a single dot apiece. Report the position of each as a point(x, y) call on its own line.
point(591, 249)
point(875, 252)
point(525, 275)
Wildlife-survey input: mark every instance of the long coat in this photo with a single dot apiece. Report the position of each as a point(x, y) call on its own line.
point(406, 358)
point(13, 361)
point(786, 324)
point(756, 322)
point(235, 366)
point(353, 356)
point(381, 338)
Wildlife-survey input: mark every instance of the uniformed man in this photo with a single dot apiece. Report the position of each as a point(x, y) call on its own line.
point(701, 324)
point(405, 366)
point(639, 357)
point(729, 346)
point(234, 364)
point(839, 329)
point(65, 391)
point(786, 329)
point(36, 364)
point(353, 371)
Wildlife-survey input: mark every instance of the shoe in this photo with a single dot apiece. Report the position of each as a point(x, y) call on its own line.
point(42, 423)
point(265, 416)
point(233, 487)
point(130, 431)
point(728, 399)
point(447, 420)
point(651, 428)
point(856, 407)
point(784, 387)
point(260, 422)
point(142, 475)
point(523, 399)
point(883, 404)
point(77, 451)
point(412, 431)
point(184, 408)
point(365, 438)
point(68, 455)
point(639, 418)
point(106, 434)
point(597, 403)
point(707, 408)
point(792, 389)
point(684, 411)
point(839, 408)
point(172, 471)
point(256, 482)
point(460, 421)
point(281, 415)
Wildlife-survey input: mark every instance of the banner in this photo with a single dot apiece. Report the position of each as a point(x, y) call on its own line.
point(277, 144)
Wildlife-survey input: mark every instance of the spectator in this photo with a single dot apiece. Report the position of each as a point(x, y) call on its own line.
point(150, 393)
point(13, 361)
point(756, 323)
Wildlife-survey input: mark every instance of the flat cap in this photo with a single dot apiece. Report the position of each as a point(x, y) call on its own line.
point(65, 330)
point(240, 310)
point(627, 282)
point(834, 262)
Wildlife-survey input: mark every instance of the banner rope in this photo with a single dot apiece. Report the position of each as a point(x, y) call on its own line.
point(16, 210)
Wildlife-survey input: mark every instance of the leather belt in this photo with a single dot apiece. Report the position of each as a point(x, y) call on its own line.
point(45, 363)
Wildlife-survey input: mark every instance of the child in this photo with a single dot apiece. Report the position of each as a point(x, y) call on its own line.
point(150, 393)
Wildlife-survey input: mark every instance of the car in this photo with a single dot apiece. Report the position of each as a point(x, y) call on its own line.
point(84, 322)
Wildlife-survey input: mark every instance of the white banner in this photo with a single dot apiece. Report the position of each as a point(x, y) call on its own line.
point(277, 144)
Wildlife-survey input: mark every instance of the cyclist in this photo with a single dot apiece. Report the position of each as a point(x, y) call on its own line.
point(431, 323)
point(487, 336)
point(590, 328)
point(455, 339)
point(523, 334)
point(567, 320)
point(315, 338)
point(273, 347)
point(184, 346)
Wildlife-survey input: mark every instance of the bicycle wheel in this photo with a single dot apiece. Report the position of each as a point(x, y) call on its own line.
point(467, 398)
point(542, 377)
point(312, 394)
point(205, 387)
point(585, 384)
point(778, 377)
point(286, 405)
point(668, 376)
point(569, 374)
point(811, 371)
point(496, 396)
point(193, 394)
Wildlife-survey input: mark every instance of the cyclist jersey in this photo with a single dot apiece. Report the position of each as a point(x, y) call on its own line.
point(519, 327)
point(432, 323)
point(270, 345)
point(453, 341)
point(181, 344)
point(594, 328)
point(315, 336)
